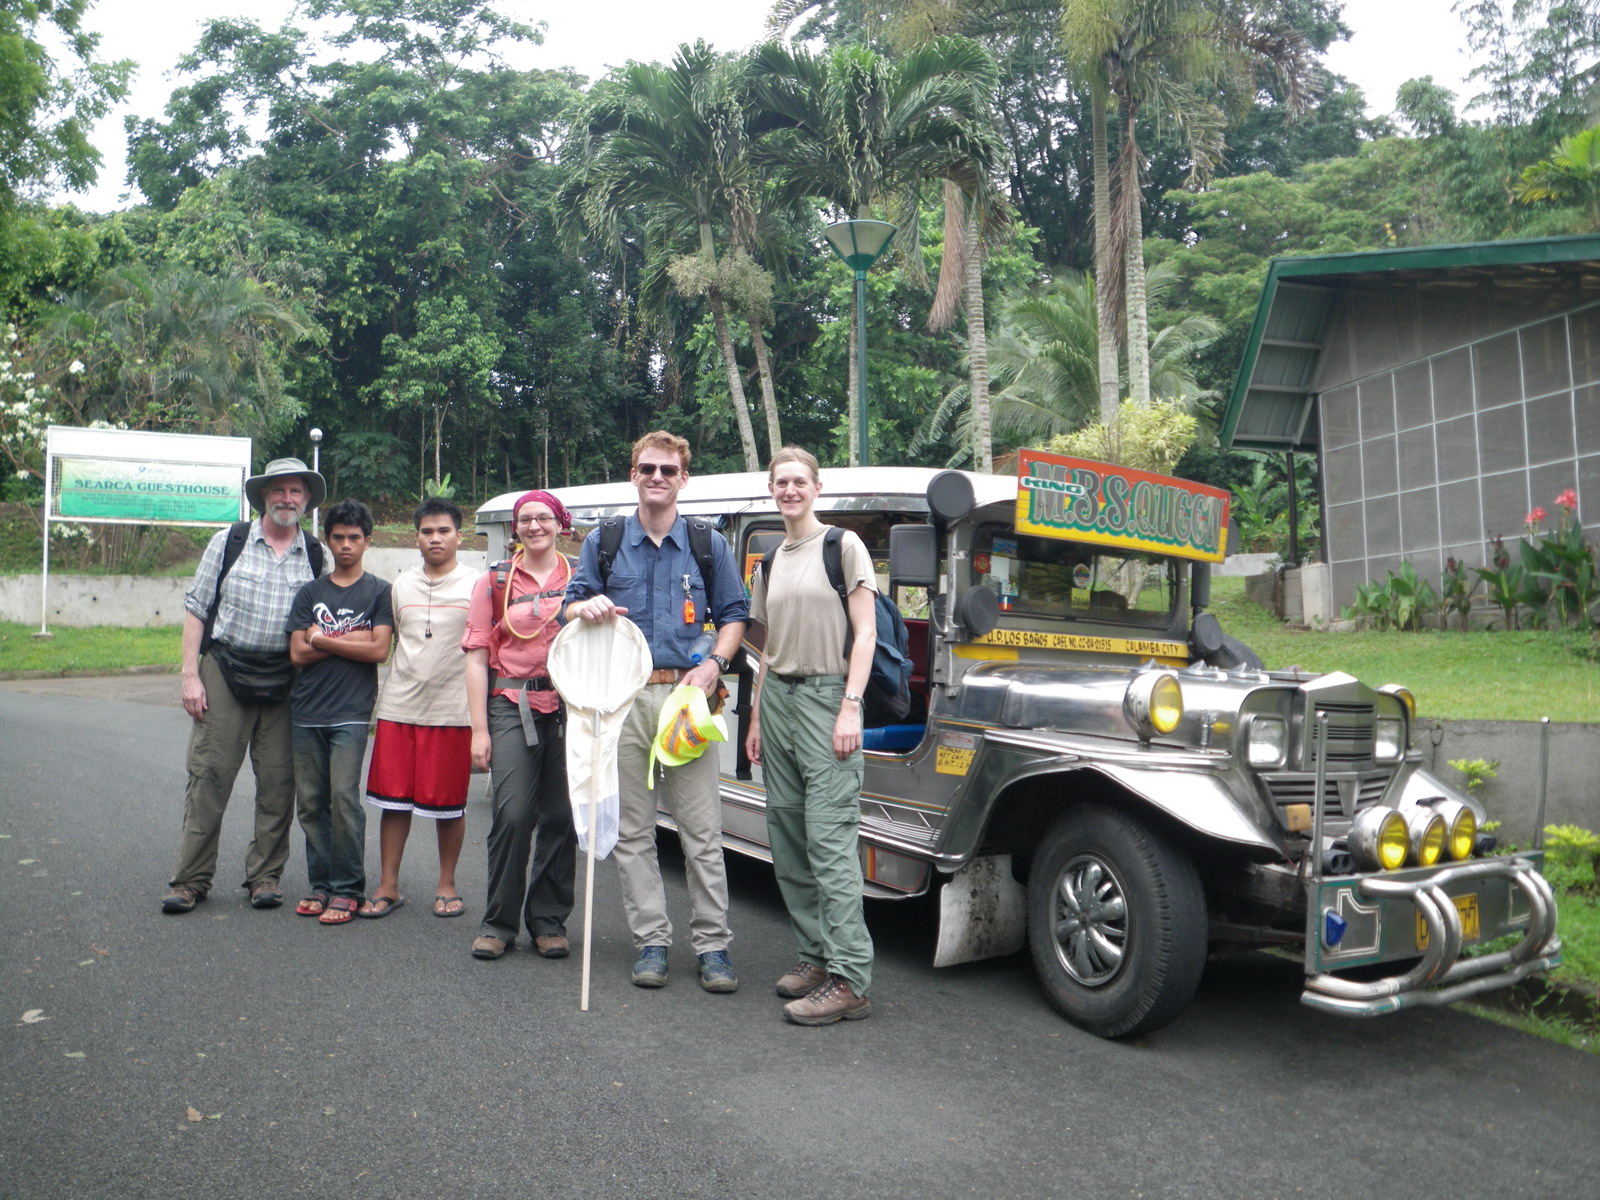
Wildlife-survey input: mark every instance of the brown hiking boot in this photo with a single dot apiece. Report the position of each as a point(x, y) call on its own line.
point(800, 980)
point(831, 1001)
point(181, 899)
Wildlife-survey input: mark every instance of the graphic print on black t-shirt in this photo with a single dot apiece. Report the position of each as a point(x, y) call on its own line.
point(337, 691)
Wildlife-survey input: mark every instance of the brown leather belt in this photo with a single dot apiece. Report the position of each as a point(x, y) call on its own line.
point(665, 675)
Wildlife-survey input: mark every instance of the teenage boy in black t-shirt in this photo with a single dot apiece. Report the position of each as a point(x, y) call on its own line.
point(339, 627)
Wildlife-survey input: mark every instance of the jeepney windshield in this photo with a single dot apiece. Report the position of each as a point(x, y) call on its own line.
point(1052, 577)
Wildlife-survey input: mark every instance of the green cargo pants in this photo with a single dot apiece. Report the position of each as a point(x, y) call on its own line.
point(814, 824)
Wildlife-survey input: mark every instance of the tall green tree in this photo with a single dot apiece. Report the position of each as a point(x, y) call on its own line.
point(673, 142)
point(46, 108)
point(864, 133)
point(1179, 62)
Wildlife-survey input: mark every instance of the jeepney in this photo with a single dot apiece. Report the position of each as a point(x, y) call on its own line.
point(1095, 771)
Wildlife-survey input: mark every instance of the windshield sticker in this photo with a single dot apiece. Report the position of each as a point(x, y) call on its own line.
point(1109, 505)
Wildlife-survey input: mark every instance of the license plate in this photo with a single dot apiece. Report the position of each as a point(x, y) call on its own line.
point(1467, 908)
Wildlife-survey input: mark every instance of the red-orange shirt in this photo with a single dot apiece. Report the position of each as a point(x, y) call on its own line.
point(518, 636)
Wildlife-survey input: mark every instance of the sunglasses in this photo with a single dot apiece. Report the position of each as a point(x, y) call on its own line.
point(668, 470)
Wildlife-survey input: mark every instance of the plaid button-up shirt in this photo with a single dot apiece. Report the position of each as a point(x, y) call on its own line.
point(256, 594)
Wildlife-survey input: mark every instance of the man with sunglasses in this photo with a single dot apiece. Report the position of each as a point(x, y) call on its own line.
point(655, 581)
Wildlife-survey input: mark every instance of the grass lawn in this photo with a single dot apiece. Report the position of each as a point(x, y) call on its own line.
point(1479, 675)
point(100, 650)
point(1578, 920)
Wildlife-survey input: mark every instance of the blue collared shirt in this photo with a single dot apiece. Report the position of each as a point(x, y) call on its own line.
point(648, 581)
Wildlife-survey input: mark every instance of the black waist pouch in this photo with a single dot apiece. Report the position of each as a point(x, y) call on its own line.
point(254, 678)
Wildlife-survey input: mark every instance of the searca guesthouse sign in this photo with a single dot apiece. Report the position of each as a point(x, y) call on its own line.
point(1117, 506)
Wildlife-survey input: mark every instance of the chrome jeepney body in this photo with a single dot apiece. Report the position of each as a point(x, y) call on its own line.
point(1037, 788)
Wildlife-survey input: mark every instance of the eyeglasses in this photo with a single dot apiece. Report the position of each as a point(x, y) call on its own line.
point(532, 520)
point(668, 470)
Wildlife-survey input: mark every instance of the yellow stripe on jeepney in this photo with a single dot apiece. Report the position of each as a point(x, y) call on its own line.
point(1039, 639)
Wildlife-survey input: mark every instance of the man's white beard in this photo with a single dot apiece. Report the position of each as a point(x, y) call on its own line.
point(286, 517)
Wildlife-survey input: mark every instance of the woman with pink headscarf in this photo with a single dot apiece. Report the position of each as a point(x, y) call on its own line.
point(517, 735)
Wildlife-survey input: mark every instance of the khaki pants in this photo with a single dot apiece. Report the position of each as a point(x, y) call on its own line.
point(690, 794)
point(217, 744)
point(814, 825)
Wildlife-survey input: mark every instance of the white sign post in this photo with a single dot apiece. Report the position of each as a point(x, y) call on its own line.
point(136, 477)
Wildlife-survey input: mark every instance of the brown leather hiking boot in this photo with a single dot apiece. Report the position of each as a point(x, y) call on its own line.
point(831, 1001)
point(800, 979)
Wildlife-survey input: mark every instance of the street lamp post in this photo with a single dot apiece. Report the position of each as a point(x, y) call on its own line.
point(858, 244)
point(316, 465)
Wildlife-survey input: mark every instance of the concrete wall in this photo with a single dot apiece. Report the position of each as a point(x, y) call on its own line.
point(135, 601)
point(1512, 795)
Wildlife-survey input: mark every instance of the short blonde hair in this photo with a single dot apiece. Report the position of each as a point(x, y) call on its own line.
point(797, 454)
point(660, 439)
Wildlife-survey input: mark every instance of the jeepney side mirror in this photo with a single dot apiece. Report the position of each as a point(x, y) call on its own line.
point(979, 611)
point(913, 556)
point(1200, 586)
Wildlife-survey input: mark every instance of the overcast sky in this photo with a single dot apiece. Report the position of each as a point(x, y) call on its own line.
point(1393, 40)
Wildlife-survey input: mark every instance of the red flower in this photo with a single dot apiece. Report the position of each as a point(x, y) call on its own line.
point(1533, 518)
point(1568, 500)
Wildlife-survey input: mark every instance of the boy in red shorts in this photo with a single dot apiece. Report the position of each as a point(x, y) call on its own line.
point(422, 752)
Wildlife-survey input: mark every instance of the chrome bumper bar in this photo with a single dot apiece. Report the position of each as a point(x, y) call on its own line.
point(1442, 976)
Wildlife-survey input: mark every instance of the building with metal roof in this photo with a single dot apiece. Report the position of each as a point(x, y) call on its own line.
point(1446, 390)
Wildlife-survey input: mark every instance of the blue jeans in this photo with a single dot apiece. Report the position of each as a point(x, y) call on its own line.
point(327, 780)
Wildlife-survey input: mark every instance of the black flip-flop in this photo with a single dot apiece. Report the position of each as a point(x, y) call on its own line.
point(390, 903)
point(447, 899)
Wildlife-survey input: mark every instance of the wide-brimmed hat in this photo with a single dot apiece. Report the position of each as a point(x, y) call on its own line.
point(255, 488)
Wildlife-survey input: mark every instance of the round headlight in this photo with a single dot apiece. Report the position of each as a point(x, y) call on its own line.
point(1425, 837)
point(1460, 829)
point(1153, 703)
point(1378, 839)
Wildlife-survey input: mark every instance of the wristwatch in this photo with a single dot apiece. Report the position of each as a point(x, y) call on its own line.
point(723, 664)
point(853, 696)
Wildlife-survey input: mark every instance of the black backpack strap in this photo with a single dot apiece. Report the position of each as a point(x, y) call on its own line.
point(238, 535)
point(833, 562)
point(314, 554)
point(610, 542)
point(700, 547)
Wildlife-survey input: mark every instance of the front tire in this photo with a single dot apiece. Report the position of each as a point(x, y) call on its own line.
point(1116, 923)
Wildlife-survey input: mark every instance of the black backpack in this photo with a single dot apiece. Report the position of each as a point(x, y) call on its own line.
point(238, 534)
point(888, 693)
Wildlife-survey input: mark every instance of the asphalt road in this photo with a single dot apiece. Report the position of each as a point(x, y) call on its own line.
point(379, 1060)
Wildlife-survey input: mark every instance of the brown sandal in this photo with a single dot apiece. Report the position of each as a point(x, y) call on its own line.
point(340, 909)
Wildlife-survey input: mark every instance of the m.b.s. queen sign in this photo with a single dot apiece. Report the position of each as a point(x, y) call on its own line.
point(1110, 505)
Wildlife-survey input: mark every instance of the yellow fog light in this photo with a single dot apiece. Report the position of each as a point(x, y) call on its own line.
point(1461, 829)
point(1166, 704)
point(1153, 703)
point(1425, 837)
point(1378, 839)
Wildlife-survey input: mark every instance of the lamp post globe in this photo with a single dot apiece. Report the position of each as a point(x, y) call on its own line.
point(858, 244)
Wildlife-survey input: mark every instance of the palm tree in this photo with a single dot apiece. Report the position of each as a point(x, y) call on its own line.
point(862, 132)
point(1043, 364)
point(1166, 58)
point(674, 142)
point(1571, 171)
point(172, 348)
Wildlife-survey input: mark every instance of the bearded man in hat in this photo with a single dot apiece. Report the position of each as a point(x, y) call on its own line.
point(236, 677)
